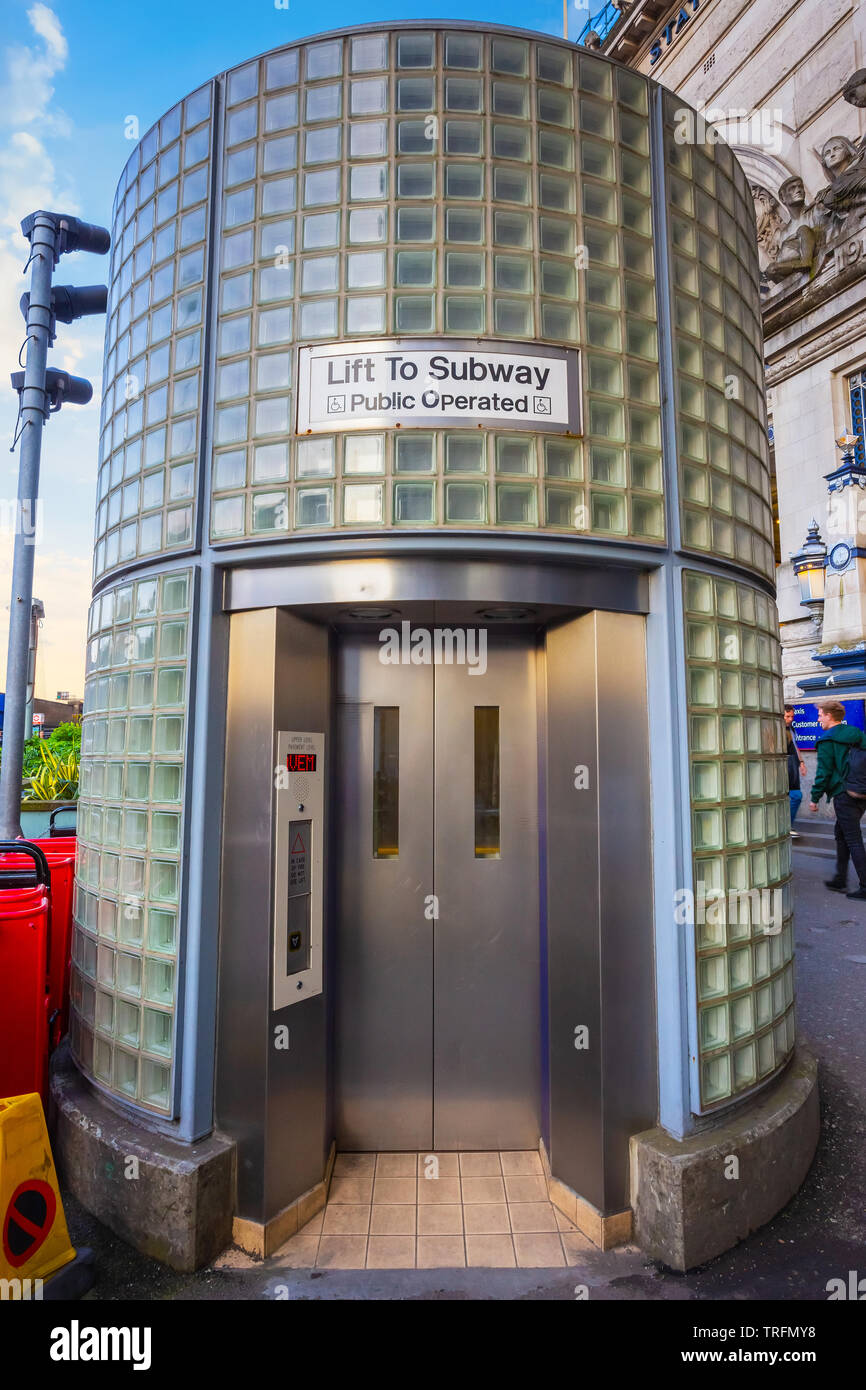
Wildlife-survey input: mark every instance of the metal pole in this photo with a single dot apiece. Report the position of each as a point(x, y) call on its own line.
point(42, 243)
point(37, 612)
point(565, 19)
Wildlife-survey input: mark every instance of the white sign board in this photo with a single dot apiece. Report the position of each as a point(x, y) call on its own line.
point(39, 719)
point(458, 384)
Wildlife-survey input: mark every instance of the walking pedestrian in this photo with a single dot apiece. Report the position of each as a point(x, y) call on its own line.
point(796, 770)
point(832, 748)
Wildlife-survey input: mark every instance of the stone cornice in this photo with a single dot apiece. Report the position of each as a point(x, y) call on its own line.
point(836, 335)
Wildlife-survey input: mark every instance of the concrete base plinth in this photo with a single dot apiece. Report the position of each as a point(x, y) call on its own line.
point(691, 1201)
point(170, 1200)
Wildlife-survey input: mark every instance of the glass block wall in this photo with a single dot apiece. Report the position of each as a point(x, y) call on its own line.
point(152, 376)
point(441, 183)
point(130, 837)
point(428, 182)
point(740, 835)
point(724, 460)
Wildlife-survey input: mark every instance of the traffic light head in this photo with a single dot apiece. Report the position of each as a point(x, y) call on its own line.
point(71, 234)
point(59, 387)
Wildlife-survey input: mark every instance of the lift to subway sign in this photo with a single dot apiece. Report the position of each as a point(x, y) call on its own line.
point(349, 386)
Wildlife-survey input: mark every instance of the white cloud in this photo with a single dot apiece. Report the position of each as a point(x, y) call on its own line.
point(47, 26)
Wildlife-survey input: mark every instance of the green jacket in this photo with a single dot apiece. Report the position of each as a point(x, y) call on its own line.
point(832, 770)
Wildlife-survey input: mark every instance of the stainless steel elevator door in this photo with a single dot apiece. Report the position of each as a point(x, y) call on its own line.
point(437, 1017)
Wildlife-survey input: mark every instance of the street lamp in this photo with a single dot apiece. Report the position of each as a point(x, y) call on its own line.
point(810, 563)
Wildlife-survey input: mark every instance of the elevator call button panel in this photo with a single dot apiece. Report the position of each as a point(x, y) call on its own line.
point(298, 870)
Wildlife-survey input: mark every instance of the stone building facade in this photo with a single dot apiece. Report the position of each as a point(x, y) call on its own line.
point(783, 85)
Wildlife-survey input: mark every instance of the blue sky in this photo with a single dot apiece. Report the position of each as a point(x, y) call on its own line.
point(70, 75)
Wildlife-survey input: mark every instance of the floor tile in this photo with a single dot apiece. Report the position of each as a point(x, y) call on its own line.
point(483, 1190)
point(440, 1220)
point(526, 1164)
point(391, 1252)
point(396, 1165)
point(390, 1190)
point(346, 1220)
point(393, 1220)
point(480, 1165)
point(298, 1253)
point(355, 1187)
point(486, 1219)
point(532, 1216)
point(342, 1252)
point(446, 1165)
point(438, 1190)
point(440, 1252)
point(575, 1245)
point(345, 1164)
point(313, 1227)
point(526, 1189)
point(539, 1251)
point(494, 1252)
point(562, 1221)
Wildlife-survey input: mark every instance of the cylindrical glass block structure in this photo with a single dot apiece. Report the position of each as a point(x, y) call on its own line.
point(407, 185)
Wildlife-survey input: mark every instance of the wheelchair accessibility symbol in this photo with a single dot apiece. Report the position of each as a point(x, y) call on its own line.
point(336, 405)
point(542, 405)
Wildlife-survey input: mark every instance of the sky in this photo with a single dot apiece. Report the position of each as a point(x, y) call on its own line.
point(71, 74)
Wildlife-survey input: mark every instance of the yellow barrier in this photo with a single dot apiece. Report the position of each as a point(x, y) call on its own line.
point(34, 1241)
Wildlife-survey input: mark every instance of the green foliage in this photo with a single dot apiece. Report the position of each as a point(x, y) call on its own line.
point(32, 760)
point(57, 778)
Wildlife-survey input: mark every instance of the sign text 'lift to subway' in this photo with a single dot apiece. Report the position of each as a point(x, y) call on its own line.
point(345, 386)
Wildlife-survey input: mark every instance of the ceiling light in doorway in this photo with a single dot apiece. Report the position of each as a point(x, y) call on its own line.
point(370, 615)
point(505, 613)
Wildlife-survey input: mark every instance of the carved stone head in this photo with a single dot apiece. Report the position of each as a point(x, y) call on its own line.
point(854, 90)
point(792, 192)
point(836, 154)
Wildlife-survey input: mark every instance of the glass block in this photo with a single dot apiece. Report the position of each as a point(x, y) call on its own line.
point(462, 51)
point(716, 1078)
point(365, 314)
point(705, 781)
point(415, 503)
point(515, 455)
point(155, 1084)
point(607, 512)
point(466, 502)
point(364, 453)
point(368, 225)
point(714, 1027)
point(413, 313)
point(369, 53)
point(561, 460)
point(712, 976)
point(167, 782)
point(281, 112)
point(128, 973)
point(565, 507)
point(510, 56)
point(227, 517)
point(314, 506)
point(314, 458)
point(465, 453)
point(465, 314)
point(516, 505)
point(415, 50)
point(159, 983)
point(362, 503)
point(415, 453)
point(419, 224)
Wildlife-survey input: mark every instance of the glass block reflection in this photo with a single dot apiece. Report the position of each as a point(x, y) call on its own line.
point(130, 837)
point(724, 469)
point(742, 906)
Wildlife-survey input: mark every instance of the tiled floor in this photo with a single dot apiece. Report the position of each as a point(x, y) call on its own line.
point(425, 1211)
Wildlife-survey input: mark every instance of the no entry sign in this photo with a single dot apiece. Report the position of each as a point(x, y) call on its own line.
point(28, 1220)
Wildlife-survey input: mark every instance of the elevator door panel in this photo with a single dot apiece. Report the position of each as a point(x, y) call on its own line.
point(486, 1009)
point(437, 994)
point(384, 983)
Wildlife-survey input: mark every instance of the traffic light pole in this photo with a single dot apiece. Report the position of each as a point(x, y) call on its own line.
point(31, 421)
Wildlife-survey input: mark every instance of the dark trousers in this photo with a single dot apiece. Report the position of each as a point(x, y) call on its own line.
point(849, 840)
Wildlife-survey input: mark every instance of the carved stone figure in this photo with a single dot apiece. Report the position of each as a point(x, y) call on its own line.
point(797, 246)
point(768, 222)
point(844, 163)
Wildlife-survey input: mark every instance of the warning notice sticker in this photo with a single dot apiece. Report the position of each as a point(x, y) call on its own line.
point(345, 386)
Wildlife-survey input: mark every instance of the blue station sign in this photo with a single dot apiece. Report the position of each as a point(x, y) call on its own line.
point(807, 730)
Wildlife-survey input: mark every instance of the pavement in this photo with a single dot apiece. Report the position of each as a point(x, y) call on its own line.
point(820, 1235)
